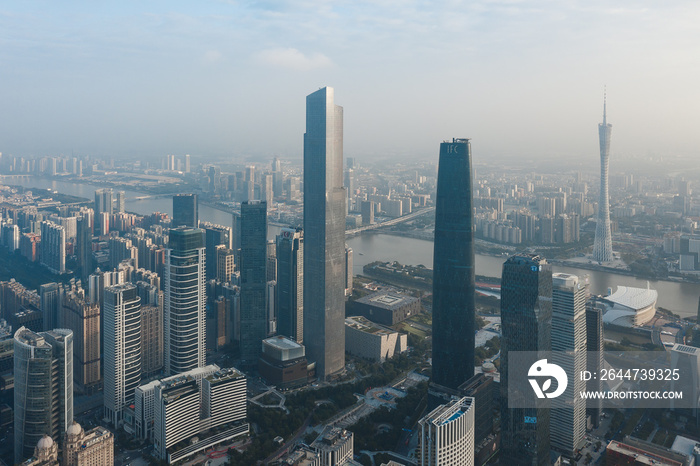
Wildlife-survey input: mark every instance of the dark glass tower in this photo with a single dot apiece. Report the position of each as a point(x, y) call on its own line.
point(290, 284)
point(324, 234)
point(185, 211)
point(453, 268)
point(526, 317)
point(253, 268)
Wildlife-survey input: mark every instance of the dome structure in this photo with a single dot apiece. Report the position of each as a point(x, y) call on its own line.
point(74, 429)
point(45, 443)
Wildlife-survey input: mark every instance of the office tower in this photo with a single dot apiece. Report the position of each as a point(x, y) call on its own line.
point(324, 234)
point(334, 446)
point(214, 179)
point(267, 189)
point(567, 424)
point(602, 246)
point(447, 435)
point(84, 246)
point(53, 247)
point(184, 309)
point(482, 388)
point(122, 356)
point(43, 369)
point(96, 446)
point(207, 401)
point(348, 270)
point(83, 319)
point(594, 359)
point(367, 211)
point(685, 360)
point(526, 314)
point(453, 259)
point(271, 260)
point(277, 177)
point(253, 266)
point(121, 201)
point(187, 163)
point(185, 211)
point(103, 205)
point(350, 182)
point(290, 284)
point(10, 236)
point(50, 295)
point(215, 235)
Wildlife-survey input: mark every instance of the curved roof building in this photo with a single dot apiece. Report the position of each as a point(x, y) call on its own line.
point(630, 307)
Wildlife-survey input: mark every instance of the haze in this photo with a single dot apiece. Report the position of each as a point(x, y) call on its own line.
point(523, 79)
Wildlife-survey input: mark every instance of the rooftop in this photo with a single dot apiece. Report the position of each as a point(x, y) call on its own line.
point(634, 298)
point(390, 300)
point(282, 343)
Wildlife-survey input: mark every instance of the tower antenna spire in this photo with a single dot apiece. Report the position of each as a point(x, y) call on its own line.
point(605, 102)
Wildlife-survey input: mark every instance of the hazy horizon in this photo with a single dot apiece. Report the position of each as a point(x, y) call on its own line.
point(217, 78)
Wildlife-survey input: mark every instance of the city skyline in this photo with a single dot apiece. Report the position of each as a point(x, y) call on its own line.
point(101, 62)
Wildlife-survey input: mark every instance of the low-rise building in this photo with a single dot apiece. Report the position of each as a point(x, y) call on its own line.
point(387, 308)
point(283, 362)
point(371, 341)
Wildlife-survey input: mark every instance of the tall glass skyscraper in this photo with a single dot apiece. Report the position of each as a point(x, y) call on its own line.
point(43, 369)
point(324, 234)
point(122, 356)
point(526, 316)
point(184, 311)
point(253, 266)
point(453, 265)
point(185, 211)
point(602, 246)
point(290, 284)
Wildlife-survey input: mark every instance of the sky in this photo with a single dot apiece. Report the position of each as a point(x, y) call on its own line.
point(212, 78)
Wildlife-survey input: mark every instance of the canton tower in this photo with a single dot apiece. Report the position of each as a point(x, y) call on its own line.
point(602, 246)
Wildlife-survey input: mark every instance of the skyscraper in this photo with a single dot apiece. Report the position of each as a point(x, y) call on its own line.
point(122, 357)
point(324, 234)
point(453, 259)
point(602, 246)
point(53, 247)
point(568, 414)
point(84, 246)
point(290, 284)
point(43, 368)
point(83, 318)
point(594, 358)
point(526, 314)
point(185, 211)
point(185, 301)
point(447, 435)
point(50, 295)
point(253, 266)
point(215, 235)
point(103, 204)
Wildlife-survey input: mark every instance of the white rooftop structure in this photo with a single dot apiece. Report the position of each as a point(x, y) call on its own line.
point(630, 307)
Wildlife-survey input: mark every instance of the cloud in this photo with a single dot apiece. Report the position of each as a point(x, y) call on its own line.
point(212, 56)
point(292, 58)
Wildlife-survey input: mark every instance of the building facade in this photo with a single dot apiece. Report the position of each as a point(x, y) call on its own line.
point(526, 314)
point(185, 211)
point(290, 284)
point(324, 234)
point(122, 356)
point(447, 435)
point(453, 267)
point(253, 266)
point(53, 247)
point(91, 448)
point(185, 301)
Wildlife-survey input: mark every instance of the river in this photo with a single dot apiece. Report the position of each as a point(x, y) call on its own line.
point(681, 298)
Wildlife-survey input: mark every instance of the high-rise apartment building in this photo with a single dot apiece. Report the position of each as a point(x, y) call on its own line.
point(122, 356)
point(526, 314)
point(453, 265)
point(253, 266)
point(121, 201)
point(50, 295)
point(567, 424)
point(83, 318)
point(185, 211)
point(225, 264)
point(602, 246)
point(594, 359)
point(447, 435)
point(290, 284)
point(103, 205)
point(53, 247)
point(84, 246)
point(152, 337)
point(184, 309)
point(324, 234)
point(43, 369)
